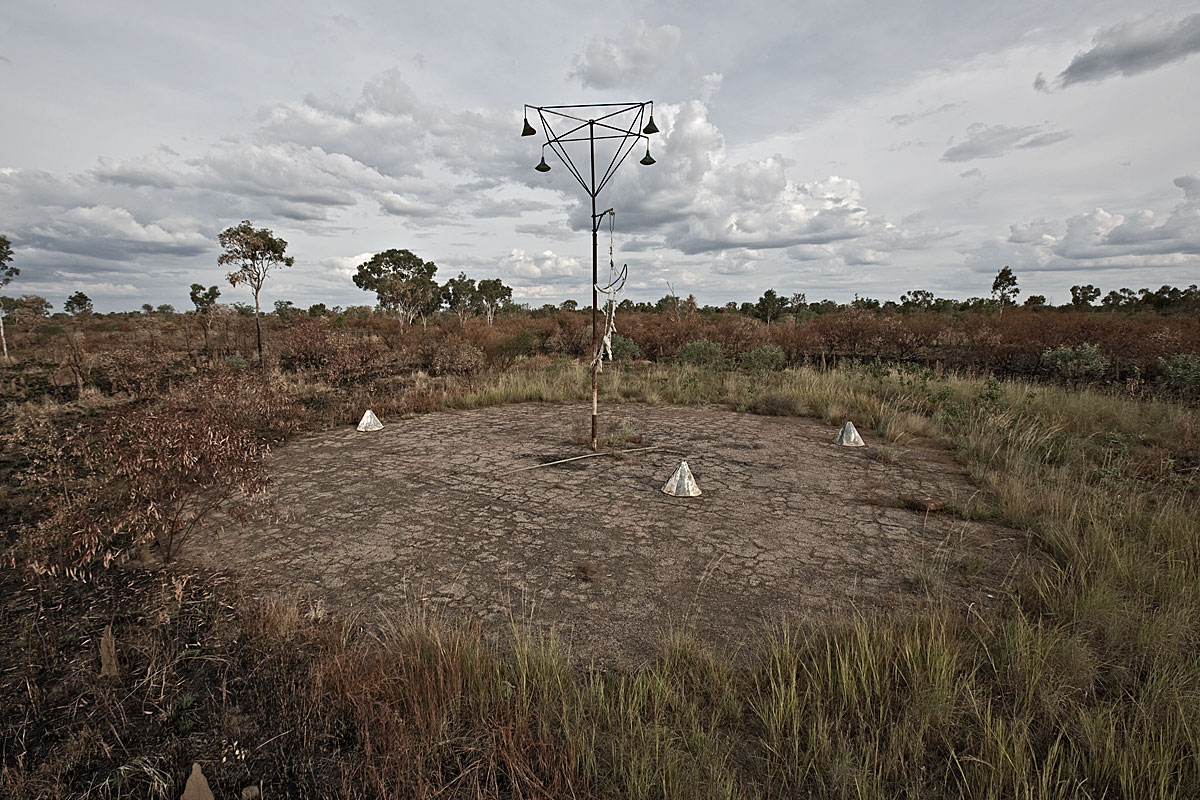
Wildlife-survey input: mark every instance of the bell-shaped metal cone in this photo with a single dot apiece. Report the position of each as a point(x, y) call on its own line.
point(369, 422)
point(528, 130)
point(681, 484)
point(648, 160)
point(650, 126)
point(543, 166)
point(848, 436)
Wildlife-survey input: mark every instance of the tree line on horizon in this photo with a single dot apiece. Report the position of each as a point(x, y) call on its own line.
point(404, 285)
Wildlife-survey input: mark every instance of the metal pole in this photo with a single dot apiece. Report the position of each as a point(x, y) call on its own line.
point(595, 281)
point(555, 141)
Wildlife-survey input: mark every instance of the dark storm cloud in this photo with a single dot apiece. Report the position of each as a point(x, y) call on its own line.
point(111, 234)
point(1131, 48)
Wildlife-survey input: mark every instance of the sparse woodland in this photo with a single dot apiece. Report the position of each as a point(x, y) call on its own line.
point(122, 431)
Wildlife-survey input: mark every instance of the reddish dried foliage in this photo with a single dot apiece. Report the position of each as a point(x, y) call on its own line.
point(135, 477)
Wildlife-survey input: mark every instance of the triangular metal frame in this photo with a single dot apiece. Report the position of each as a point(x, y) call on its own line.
point(589, 130)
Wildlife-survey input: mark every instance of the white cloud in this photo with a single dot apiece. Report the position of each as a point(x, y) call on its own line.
point(1102, 239)
point(550, 292)
point(410, 206)
point(909, 118)
point(547, 266)
point(345, 265)
point(696, 201)
point(861, 256)
point(733, 262)
point(151, 170)
point(993, 141)
point(385, 128)
point(493, 207)
point(608, 64)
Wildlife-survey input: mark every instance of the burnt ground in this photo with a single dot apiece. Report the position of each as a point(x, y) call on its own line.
point(429, 511)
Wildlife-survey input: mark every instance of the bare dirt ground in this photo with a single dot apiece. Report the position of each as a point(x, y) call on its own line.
point(429, 511)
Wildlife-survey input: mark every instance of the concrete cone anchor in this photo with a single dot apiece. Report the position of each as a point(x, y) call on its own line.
point(196, 787)
point(681, 483)
point(369, 422)
point(848, 436)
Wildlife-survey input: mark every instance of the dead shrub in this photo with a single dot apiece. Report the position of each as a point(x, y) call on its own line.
point(139, 371)
point(311, 345)
point(457, 357)
point(245, 400)
point(306, 345)
point(138, 476)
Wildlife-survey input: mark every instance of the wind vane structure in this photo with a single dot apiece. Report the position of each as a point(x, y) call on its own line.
point(618, 128)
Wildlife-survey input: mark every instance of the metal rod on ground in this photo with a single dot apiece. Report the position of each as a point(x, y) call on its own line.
point(587, 455)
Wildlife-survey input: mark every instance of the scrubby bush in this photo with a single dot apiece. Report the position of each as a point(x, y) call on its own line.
point(1081, 363)
point(456, 357)
point(333, 355)
point(1180, 374)
point(306, 344)
point(701, 353)
point(624, 348)
point(521, 344)
point(768, 358)
point(245, 399)
point(140, 476)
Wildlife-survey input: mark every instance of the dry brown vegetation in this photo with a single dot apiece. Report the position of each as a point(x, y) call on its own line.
point(119, 433)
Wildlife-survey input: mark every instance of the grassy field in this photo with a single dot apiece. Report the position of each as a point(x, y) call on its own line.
point(1084, 683)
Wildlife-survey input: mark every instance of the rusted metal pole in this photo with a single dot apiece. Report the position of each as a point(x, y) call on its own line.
point(628, 134)
point(595, 281)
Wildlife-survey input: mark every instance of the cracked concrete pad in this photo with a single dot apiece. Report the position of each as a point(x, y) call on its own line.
point(429, 512)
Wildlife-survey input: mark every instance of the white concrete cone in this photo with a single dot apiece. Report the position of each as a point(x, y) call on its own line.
point(681, 484)
point(848, 437)
point(369, 422)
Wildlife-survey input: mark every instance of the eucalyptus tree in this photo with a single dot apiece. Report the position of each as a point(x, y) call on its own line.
point(255, 252)
point(402, 282)
point(7, 273)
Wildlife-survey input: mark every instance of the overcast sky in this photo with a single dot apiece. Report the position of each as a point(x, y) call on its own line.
point(830, 148)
